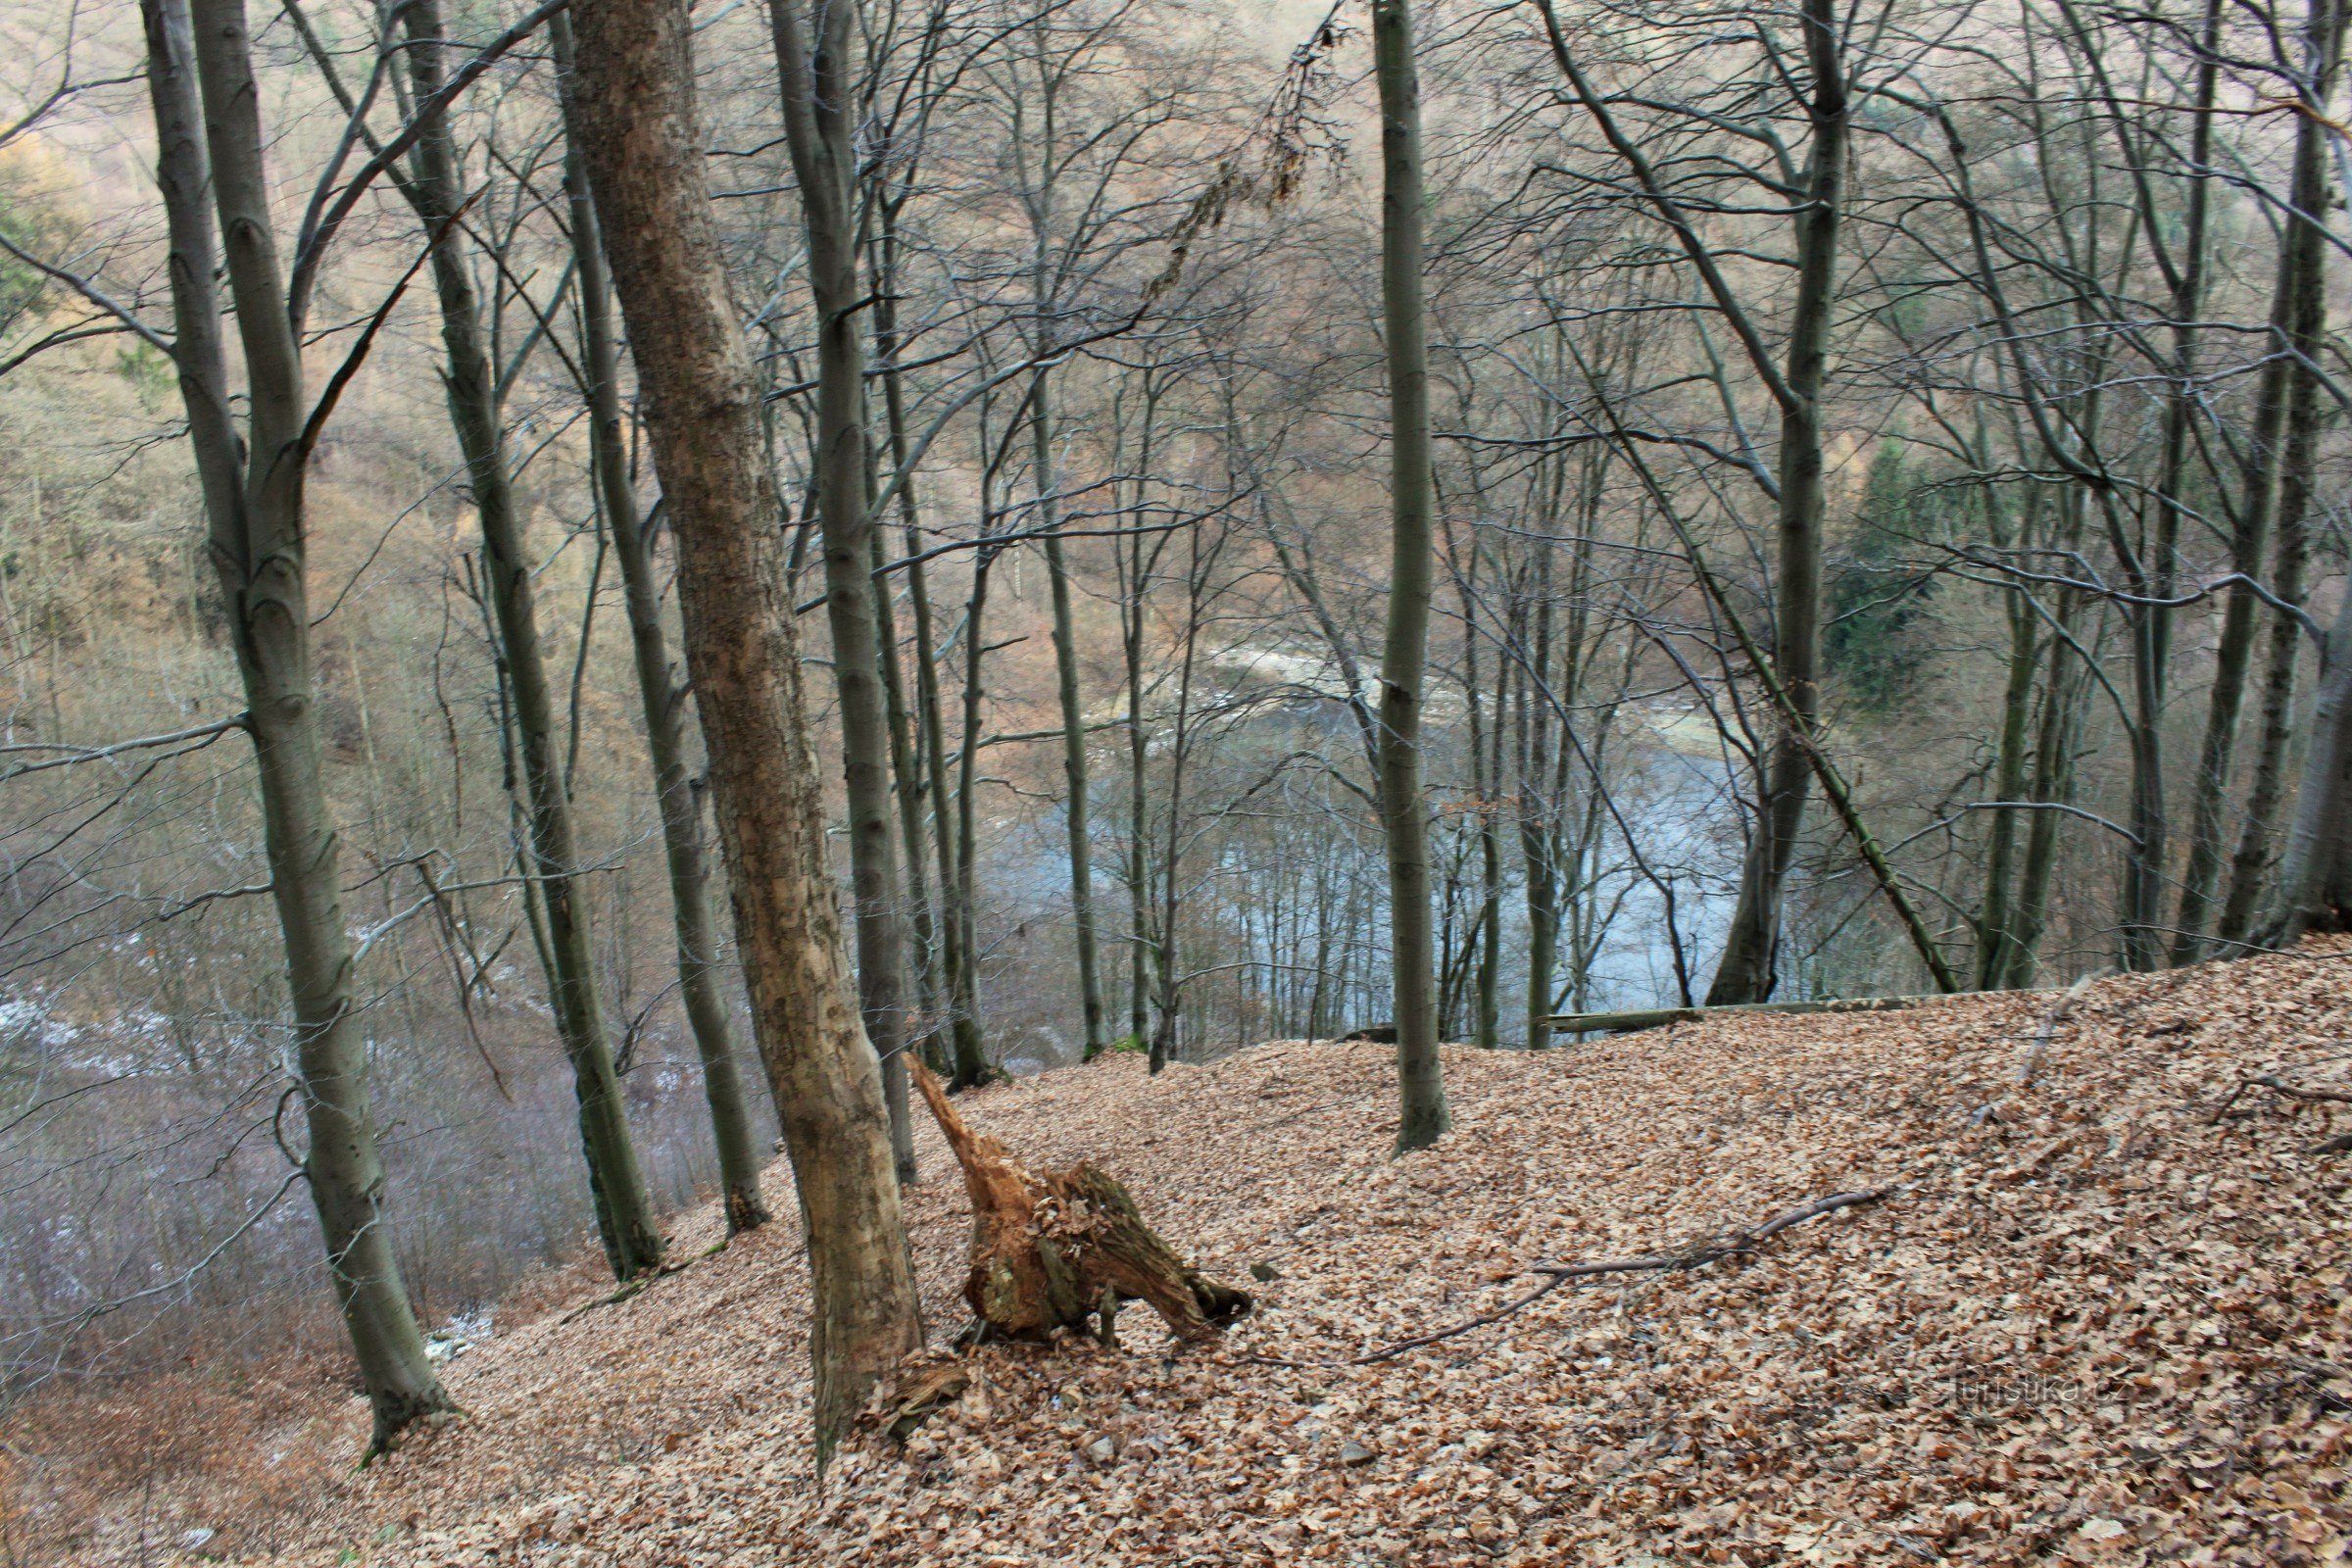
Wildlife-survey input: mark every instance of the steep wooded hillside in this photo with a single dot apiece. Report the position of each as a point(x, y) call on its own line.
point(2099, 1313)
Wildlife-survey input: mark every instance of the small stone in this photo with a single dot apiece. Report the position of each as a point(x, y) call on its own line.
point(1102, 1450)
point(1352, 1454)
point(196, 1539)
point(1264, 1273)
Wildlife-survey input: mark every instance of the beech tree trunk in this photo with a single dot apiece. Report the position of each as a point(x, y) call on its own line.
point(2250, 864)
point(924, 776)
point(1749, 970)
point(819, 89)
point(2314, 875)
point(253, 496)
point(631, 105)
point(700, 979)
point(2298, 321)
point(1422, 1114)
point(624, 1211)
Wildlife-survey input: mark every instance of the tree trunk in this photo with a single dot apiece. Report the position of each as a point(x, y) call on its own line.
point(1422, 1114)
point(818, 91)
point(2315, 874)
point(2284, 653)
point(2298, 319)
point(632, 111)
point(2053, 784)
point(972, 1066)
point(1747, 971)
point(1995, 940)
point(699, 977)
point(924, 775)
point(1073, 733)
point(624, 1212)
point(253, 499)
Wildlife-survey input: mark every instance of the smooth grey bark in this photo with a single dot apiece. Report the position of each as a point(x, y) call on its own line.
point(624, 1211)
point(817, 76)
point(2297, 322)
point(2315, 872)
point(629, 106)
point(1073, 731)
point(1996, 938)
point(915, 755)
point(1749, 969)
point(2056, 740)
point(1040, 201)
point(200, 82)
point(972, 1065)
point(664, 701)
point(2250, 863)
point(1422, 1113)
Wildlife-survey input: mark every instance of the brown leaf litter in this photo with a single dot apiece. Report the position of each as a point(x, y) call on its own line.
point(2089, 1321)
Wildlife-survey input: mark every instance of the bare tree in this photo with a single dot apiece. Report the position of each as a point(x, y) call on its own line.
point(630, 104)
point(207, 110)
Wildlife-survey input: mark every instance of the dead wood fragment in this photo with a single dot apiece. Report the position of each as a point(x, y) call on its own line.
point(922, 1393)
point(1639, 1019)
point(2280, 1085)
point(1731, 1244)
point(1050, 1251)
point(2060, 1011)
point(630, 1287)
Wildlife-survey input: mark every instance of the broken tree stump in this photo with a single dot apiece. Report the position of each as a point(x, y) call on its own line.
point(1049, 1251)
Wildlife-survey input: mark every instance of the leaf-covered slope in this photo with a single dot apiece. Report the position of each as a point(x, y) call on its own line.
point(2093, 1321)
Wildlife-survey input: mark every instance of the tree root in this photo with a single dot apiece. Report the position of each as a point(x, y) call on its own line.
point(1050, 1251)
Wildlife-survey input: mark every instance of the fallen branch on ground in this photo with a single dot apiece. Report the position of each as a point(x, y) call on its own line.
point(632, 1286)
point(2280, 1085)
point(1733, 1243)
point(1630, 1022)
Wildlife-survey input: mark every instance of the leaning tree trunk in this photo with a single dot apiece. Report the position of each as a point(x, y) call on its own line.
point(665, 705)
point(631, 110)
point(253, 497)
point(624, 1212)
point(1050, 1251)
point(1423, 1116)
point(819, 127)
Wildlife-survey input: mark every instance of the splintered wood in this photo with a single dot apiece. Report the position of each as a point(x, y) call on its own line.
point(2093, 1324)
point(1048, 1252)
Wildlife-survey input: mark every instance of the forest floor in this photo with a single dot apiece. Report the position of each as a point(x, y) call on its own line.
point(2102, 1314)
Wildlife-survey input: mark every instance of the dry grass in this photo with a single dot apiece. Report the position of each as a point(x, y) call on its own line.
point(2096, 1323)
